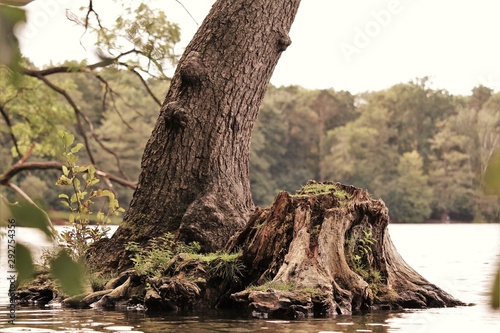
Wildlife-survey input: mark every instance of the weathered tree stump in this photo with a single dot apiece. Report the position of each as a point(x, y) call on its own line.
point(324, 251)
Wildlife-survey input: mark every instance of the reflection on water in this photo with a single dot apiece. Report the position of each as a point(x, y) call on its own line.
point(115, 321)
point(459, 258)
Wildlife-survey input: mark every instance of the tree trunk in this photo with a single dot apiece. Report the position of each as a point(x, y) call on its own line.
point(326, 251)
point(194, 180)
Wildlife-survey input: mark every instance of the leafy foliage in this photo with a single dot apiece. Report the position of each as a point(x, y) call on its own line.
point(81, 180)
point(423, 151)
point(410, 195)
point(24, 263)
point(491, 178)
point(361, 256)
point(152, 259)
point(313, 188)
point(10, 54)
point(68, 273)
point(227, 266)
point(35, 114)
point(145, 34)
point(30, 216)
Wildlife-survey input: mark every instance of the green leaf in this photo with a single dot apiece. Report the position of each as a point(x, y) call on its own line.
point(30, 216)
point(77, 148)
point(65, 170)
point(72, 159)
point(63, 180)
point(91, 171)
point(100, 216)
point(495, 296)
point(108, 193)
point(491, 176)
point(76, 183)
point(67, 138)
point(68, 273)
point(24, 263)
point(79, 169)
point(10, 54)
point(63, 196)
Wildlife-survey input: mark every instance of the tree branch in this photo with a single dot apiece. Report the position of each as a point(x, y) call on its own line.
point(9, 124)
point(187, 11)
point(27, 155)
point(55, 165)
point(83, 69)
point(78, 112)
point(20, 192)
point(41, 75)
point(19, 167)
point(144, 83)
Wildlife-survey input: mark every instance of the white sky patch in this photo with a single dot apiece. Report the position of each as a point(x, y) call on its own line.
point(453, 42)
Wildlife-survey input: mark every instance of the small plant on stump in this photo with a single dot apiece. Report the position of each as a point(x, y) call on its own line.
point(361, 260)
point(151, 260)
point(227, 266)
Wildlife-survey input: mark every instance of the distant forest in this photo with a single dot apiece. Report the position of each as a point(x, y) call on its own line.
point(422, 151)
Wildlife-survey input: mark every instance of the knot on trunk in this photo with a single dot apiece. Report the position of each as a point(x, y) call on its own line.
point(192, 70)
point(175, 115)
point(284, 40)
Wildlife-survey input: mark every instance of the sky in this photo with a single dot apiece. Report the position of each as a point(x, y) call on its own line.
point(356, 45)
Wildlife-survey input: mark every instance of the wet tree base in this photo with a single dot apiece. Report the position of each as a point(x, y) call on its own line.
point(321, 252)
point(325, 251)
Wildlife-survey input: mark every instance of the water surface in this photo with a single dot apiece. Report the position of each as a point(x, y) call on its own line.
point(460, 258)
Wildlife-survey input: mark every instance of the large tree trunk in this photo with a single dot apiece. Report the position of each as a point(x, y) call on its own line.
point(194, 179)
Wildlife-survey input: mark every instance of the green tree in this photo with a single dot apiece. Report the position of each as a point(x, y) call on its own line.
point(409, 196)
point(450, 173)
point(268, 147)
point(34, 187)
point(125, 126)
point(415, 109)
point(333, 109)
point(360, 151)
point(41, 101)
point(32, 113)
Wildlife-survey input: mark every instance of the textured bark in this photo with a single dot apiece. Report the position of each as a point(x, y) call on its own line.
point(194, 179)
point(332, 246)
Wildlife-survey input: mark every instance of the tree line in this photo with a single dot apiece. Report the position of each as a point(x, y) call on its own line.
point(423, 151)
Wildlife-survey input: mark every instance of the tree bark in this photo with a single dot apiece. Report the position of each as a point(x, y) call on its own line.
point(194, 180)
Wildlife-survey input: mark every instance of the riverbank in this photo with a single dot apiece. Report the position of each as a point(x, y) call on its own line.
point(464, 270)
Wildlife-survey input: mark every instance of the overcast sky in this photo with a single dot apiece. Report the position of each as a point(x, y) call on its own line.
point(356, 45)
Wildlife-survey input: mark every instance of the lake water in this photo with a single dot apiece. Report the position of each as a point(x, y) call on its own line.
point(460, 258)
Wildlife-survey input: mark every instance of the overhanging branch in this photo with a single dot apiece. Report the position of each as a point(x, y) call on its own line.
point(6, 118)
point(55, 165)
